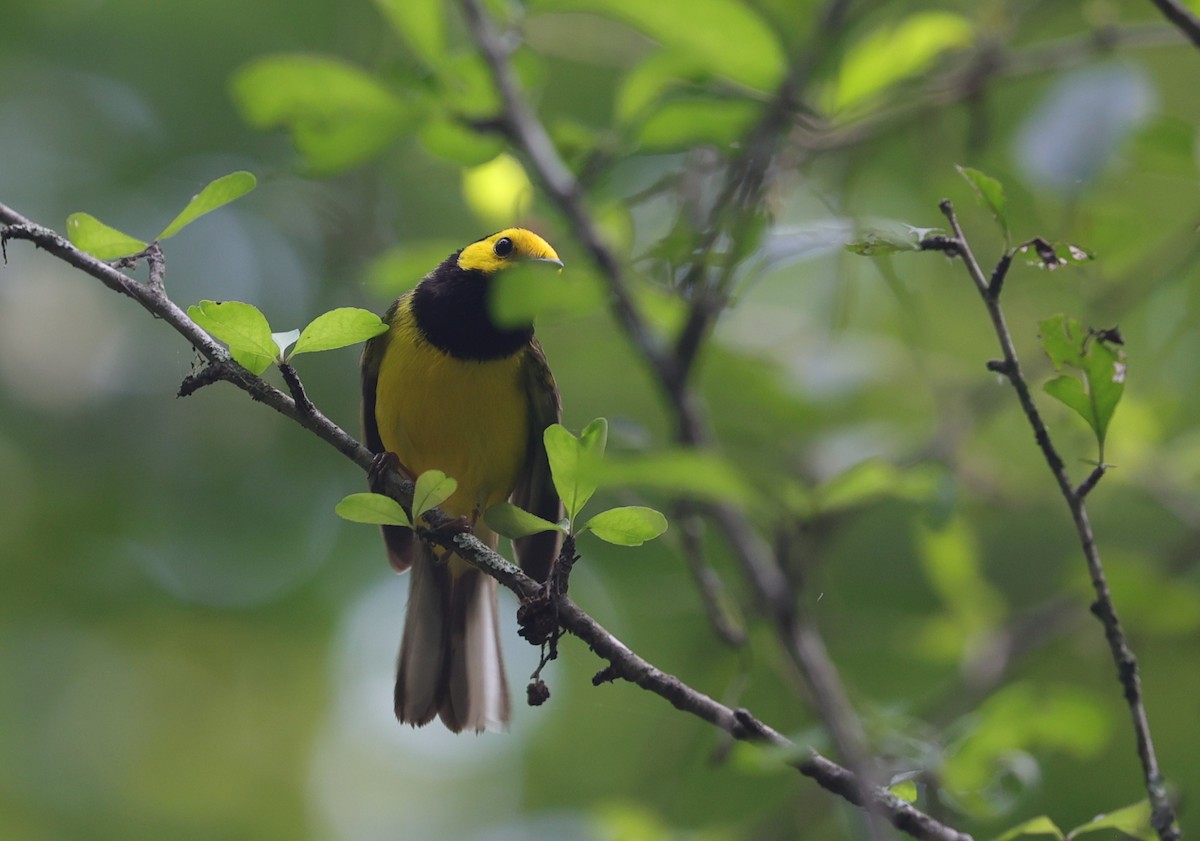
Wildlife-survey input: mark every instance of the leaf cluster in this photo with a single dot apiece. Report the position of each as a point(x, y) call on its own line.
point(575, 466)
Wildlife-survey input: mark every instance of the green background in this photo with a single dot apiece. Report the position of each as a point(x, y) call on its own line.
point(192, 646)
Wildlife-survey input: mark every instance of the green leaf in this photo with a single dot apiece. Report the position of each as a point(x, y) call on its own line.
point(508, 520)
point(575, 462)
point(1062, 339)
point(421, 23)
point(217, 193)
point(631, 525)
point(890, 54)
point(1017, 720)
point(1040, 825)
point(401, 267)
point(448, 138)
point(525, 292)
point(647, 83)
point(466, 87)
point(375, 509)
point(872, 479)
point(87, 233)
point(906, 790)
point(1101, 362)
point(707, 30)
point(1069, 390)
point(243, 328)
point(339, 115)
point(684, 123)
point(433, 487)
point(952, 559)
point(339, 328)
point(683, 473)
point(285, 340)
point(873, 243)
point(991, 193)
point(1133, 821)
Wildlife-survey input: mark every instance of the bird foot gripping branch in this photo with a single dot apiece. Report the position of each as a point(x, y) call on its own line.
point(538, 619)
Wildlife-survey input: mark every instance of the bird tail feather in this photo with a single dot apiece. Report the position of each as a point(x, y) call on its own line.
point(450, 663)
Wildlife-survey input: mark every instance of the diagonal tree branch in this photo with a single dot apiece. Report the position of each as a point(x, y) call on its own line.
point(623, 662)
point(1182, 17)
point(1162, 812)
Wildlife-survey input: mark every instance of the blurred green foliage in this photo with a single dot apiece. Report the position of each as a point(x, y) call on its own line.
point(193, 646)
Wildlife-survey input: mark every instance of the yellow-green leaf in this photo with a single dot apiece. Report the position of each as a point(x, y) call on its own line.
point(531, 290)
point(433, 487)
point(730, 36)
point(339, 328)
point(219, 192)
point(243, 328)
point(991, 193)
point(375, 509)
point(575, 462)
point(892, 53)
point(684, 123)
point(631, 525)
point(87, 233)
point(1133, 821)
point(681, 472)
point(1041, 825)
point(421, 23)
point(339, 115)
point(514, 523)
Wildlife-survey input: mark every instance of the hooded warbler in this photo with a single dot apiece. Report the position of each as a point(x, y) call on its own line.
point(446, 388)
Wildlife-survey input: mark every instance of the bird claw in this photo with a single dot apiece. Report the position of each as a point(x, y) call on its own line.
point(381, 465)
point(451, 526)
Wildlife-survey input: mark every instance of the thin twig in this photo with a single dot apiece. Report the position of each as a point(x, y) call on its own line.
point(155, 300)
point(296, 387)
point(1162, 812)
point(713, 594)
point(622, 661)
point(1086, 486)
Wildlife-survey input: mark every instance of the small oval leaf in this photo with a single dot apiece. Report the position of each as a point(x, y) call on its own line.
point(991, 193)
point(339, 328)
point(575, 462)
point(512, 522)
point(87, 233)
point(242, 327)
point(375, 509)
point(216, 193)
point(433, 487)
point(631, 525)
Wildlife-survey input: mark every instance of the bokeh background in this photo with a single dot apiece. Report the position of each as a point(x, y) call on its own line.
point(192, 646)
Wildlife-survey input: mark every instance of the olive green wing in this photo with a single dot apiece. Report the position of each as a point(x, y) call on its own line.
point(399, 540)
point(535, 488)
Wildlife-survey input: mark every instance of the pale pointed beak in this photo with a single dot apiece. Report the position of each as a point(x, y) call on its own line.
point(554, 261)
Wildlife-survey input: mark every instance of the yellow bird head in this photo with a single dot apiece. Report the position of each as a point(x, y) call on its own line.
point(506, 248)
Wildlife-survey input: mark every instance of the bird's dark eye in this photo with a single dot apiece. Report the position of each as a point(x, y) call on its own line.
point(503, 247)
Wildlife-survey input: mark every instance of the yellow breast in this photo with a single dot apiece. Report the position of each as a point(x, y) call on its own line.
point(466, 418)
